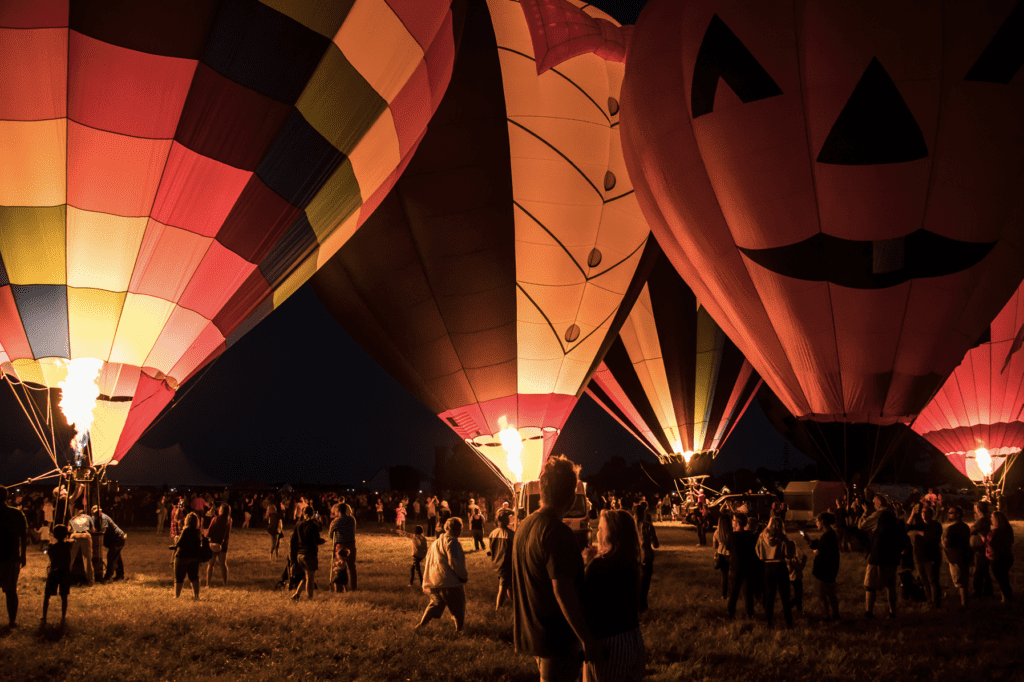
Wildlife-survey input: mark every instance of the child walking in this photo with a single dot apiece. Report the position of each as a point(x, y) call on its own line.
point(419, 552)
point(339, 570)
point(58, 575)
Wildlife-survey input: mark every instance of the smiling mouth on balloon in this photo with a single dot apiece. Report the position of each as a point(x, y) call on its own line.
point(870, 264)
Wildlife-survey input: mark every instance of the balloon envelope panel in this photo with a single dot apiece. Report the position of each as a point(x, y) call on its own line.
point(172, 171)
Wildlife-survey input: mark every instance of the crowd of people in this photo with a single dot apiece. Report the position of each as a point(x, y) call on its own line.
point(904, 551)
point(572, 610)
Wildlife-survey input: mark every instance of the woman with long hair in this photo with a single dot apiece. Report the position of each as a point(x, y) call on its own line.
point(720, 543)
point(773, 548)
point(611, 599)
point(187, 553)
point(999, 552)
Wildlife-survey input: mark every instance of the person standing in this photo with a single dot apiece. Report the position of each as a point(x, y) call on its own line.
point(926, 536)
point(218, 532)
point(501, 539)
point(720, 544)
point(956, 543)
point(114, 540)
point(888, 539)
point(476, 525)
point(648, 543)
point(431, 516)
point(161, 514)
point(547, 572)
point(771, 549)
point(444, 577)
point(274, 524)
point(13, 553)
point(979, 531)
point(177, 518)
point(825, 568)
point(611, 600)
point(306, 542)
point(743, 563)
point(999, 552)
point(419, 553)
point(188, 551)
point(343, 533)
point(58, 574)
point(82, 527)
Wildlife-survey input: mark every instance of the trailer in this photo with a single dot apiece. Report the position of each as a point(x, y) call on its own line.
point(807, 499)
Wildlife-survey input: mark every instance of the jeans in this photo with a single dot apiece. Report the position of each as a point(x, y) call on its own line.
point(1001, 569)
point(776, 579)
point(738, 580)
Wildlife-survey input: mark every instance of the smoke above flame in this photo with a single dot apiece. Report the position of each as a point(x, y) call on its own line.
point(984, 461)
point(79, 392)
point(512, 443)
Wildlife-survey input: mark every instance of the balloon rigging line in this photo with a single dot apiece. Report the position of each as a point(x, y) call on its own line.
point(35, 427)
point(29, 481)
point(642, 468)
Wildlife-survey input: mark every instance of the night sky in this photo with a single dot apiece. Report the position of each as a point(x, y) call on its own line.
point(297, 400)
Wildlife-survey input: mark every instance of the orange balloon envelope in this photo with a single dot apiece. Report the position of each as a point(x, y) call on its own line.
point(493, 277)
point(170, 171)
point(838, 182)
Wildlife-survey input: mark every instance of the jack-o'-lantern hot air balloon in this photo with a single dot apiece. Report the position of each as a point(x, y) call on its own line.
point(492, 278)
point(170, 171)
point(975, 419)
point(672, 378)
point(839, 183)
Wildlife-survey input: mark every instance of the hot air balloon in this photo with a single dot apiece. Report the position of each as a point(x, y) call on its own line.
point(975, 418)
point(672, 377)
point(837, 182)
point(171, 171)
point(493, 277)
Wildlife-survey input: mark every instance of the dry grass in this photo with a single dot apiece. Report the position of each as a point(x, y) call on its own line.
point(137, 631)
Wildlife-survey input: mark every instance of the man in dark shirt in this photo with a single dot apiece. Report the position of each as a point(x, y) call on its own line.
point(743, 564)
point(956, 541)
point(547, 572)
point(306, 543)
point(500, 551)
point(13, 553)
point(888, 538)
point(826, 564)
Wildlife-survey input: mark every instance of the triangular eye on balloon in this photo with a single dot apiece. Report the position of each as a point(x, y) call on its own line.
point(875, 126)
point(723, 56)
point(1002, 58)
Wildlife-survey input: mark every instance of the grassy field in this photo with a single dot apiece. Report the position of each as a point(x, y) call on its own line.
point(136, 631)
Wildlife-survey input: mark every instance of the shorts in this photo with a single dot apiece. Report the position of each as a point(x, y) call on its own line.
point(504, 582)
point(826, 590)
point(960, 573)
point(308, 562)
point(186, 567)
point(9, 572)
point(560, 668)
point(879, 577)
point(58, 582)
